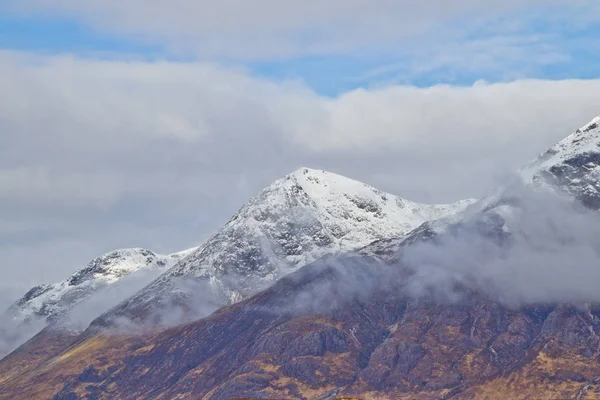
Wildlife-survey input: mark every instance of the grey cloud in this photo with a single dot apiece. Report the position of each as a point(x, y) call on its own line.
point(87, 165)
point(14, 332)
point(547, 251)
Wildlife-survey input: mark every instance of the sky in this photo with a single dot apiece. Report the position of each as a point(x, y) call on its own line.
point(149, 123)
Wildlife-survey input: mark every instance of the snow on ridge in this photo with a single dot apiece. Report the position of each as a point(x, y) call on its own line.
point(572, 166)
point(370, 214)
point(180, 255)
point(296, 220)
point(584, 140)
point(53, 300)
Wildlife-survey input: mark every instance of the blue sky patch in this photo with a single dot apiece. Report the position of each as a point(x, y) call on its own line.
point(536, 49)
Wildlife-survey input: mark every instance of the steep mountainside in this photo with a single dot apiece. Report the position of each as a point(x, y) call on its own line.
point(296, 220)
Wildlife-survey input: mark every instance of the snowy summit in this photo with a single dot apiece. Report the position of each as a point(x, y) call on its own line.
point(298, 219)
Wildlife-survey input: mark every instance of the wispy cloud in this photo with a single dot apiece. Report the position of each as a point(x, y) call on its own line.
point(331, 46)
point(269, 28)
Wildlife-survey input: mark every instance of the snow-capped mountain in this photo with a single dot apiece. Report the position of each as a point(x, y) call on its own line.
point(52, 301)
point(295, 221)
point(572, 165)
point(381, 345)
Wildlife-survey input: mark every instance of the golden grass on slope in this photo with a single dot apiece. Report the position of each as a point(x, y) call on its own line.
point(543, 378)
point(90, 345)
point(46, 377)
point(35, 353)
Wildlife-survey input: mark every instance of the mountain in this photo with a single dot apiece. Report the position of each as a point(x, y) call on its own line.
point(296, 220)
point(367, 324)
point(49, 303)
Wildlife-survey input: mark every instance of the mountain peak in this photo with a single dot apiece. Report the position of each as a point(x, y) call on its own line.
point(308, 171)
point(296, 220)
point(584, 140)
point(314, 175)
point(309, 177)
point(348, 210)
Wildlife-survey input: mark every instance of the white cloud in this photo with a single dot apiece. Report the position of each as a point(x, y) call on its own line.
point(443, 119)
point(89, 162)
point(276, 28)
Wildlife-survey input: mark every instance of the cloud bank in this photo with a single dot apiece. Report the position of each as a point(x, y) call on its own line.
point(542, 248)
point(97, 155)
point(532, 247)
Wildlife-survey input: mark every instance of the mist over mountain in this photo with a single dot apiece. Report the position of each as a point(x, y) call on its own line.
point(296, 220)
point(331, 296)
point(74, 302)
point(307, 215)
point(299, 200)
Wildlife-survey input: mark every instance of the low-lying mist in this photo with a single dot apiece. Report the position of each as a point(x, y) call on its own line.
point(527, 246)
point(533, 246)
point(15, 330)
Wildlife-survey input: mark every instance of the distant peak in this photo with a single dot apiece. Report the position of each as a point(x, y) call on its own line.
point(585, 140)
point(128, 251)
point(304, 171)
point(318, 175)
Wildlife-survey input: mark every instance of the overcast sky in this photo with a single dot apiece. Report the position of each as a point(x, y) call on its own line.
point(149, 123)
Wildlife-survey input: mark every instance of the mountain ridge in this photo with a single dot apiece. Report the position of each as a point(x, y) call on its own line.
point(48, 300)
point(296, 220)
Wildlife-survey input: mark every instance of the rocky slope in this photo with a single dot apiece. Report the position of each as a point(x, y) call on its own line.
point(293, 222)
